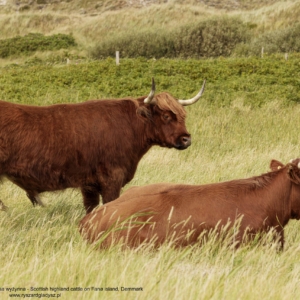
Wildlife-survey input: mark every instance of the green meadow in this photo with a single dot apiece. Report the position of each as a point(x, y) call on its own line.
point(59, 52)
point(247, 116)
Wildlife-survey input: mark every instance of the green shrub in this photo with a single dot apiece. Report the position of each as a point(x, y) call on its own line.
point(34, 42)
point(136, 44)
point(212, 38)
point(279, 41)
point(252, 81)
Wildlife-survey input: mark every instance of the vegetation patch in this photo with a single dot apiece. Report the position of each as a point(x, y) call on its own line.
point(280, 41)
point(25, 45)
point(210, 38)
point(255, 80)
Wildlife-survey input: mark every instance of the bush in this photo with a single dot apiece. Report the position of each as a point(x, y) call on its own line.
point(212, 38)
point(253, 81)
point(34, 42)
point(135, 44)
point(279, 41)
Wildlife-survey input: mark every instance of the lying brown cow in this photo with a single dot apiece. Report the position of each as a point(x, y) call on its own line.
point(95, 145)
point(184, 212)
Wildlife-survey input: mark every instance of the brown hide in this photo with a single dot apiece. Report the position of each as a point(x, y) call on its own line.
point(95, 145)
point(184, 212)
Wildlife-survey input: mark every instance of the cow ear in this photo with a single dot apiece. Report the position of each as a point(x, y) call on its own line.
point(144, 112)
point(276, 165)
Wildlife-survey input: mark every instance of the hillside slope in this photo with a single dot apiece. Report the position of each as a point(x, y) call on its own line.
point(94, 21)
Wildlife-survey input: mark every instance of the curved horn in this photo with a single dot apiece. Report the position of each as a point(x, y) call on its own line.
point(151, 94)
point(195, 99)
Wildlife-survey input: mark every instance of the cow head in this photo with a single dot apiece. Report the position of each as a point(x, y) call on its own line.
point(167, 117)
point(294, 175)
point(292, 169)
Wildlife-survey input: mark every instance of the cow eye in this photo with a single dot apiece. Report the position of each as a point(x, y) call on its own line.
point(166, 117)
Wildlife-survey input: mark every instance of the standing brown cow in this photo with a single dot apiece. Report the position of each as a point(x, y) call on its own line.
point(95, 145)
point(184, 212)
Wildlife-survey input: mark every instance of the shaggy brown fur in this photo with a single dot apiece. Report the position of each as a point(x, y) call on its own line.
point(95, 145)
point(166, 102)
point(184, 212)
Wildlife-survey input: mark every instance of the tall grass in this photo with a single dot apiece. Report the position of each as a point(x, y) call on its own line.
point(41, 247)
point(232, 137)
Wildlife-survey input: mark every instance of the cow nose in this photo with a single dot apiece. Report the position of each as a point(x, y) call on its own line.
point(186, 141)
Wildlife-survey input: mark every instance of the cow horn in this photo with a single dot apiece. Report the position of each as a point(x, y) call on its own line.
point(195, 99)
point(151, 94)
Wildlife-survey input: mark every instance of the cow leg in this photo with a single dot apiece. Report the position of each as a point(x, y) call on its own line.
point(90, 198)
point(35, 199)
point(111, 192)
point(111, 185)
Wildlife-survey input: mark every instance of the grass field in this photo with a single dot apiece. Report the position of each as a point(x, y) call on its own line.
point(236, 131)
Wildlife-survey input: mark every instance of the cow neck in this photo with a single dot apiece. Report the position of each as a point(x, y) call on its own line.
point(143, 136)
point(271, 193)
point(295, 207)
point(137, 129)
point(278, 195)
point(146, 137)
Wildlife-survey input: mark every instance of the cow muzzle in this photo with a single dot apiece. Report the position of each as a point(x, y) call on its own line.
point(183, 142)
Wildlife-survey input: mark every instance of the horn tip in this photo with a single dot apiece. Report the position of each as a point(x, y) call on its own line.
point(153, 83)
